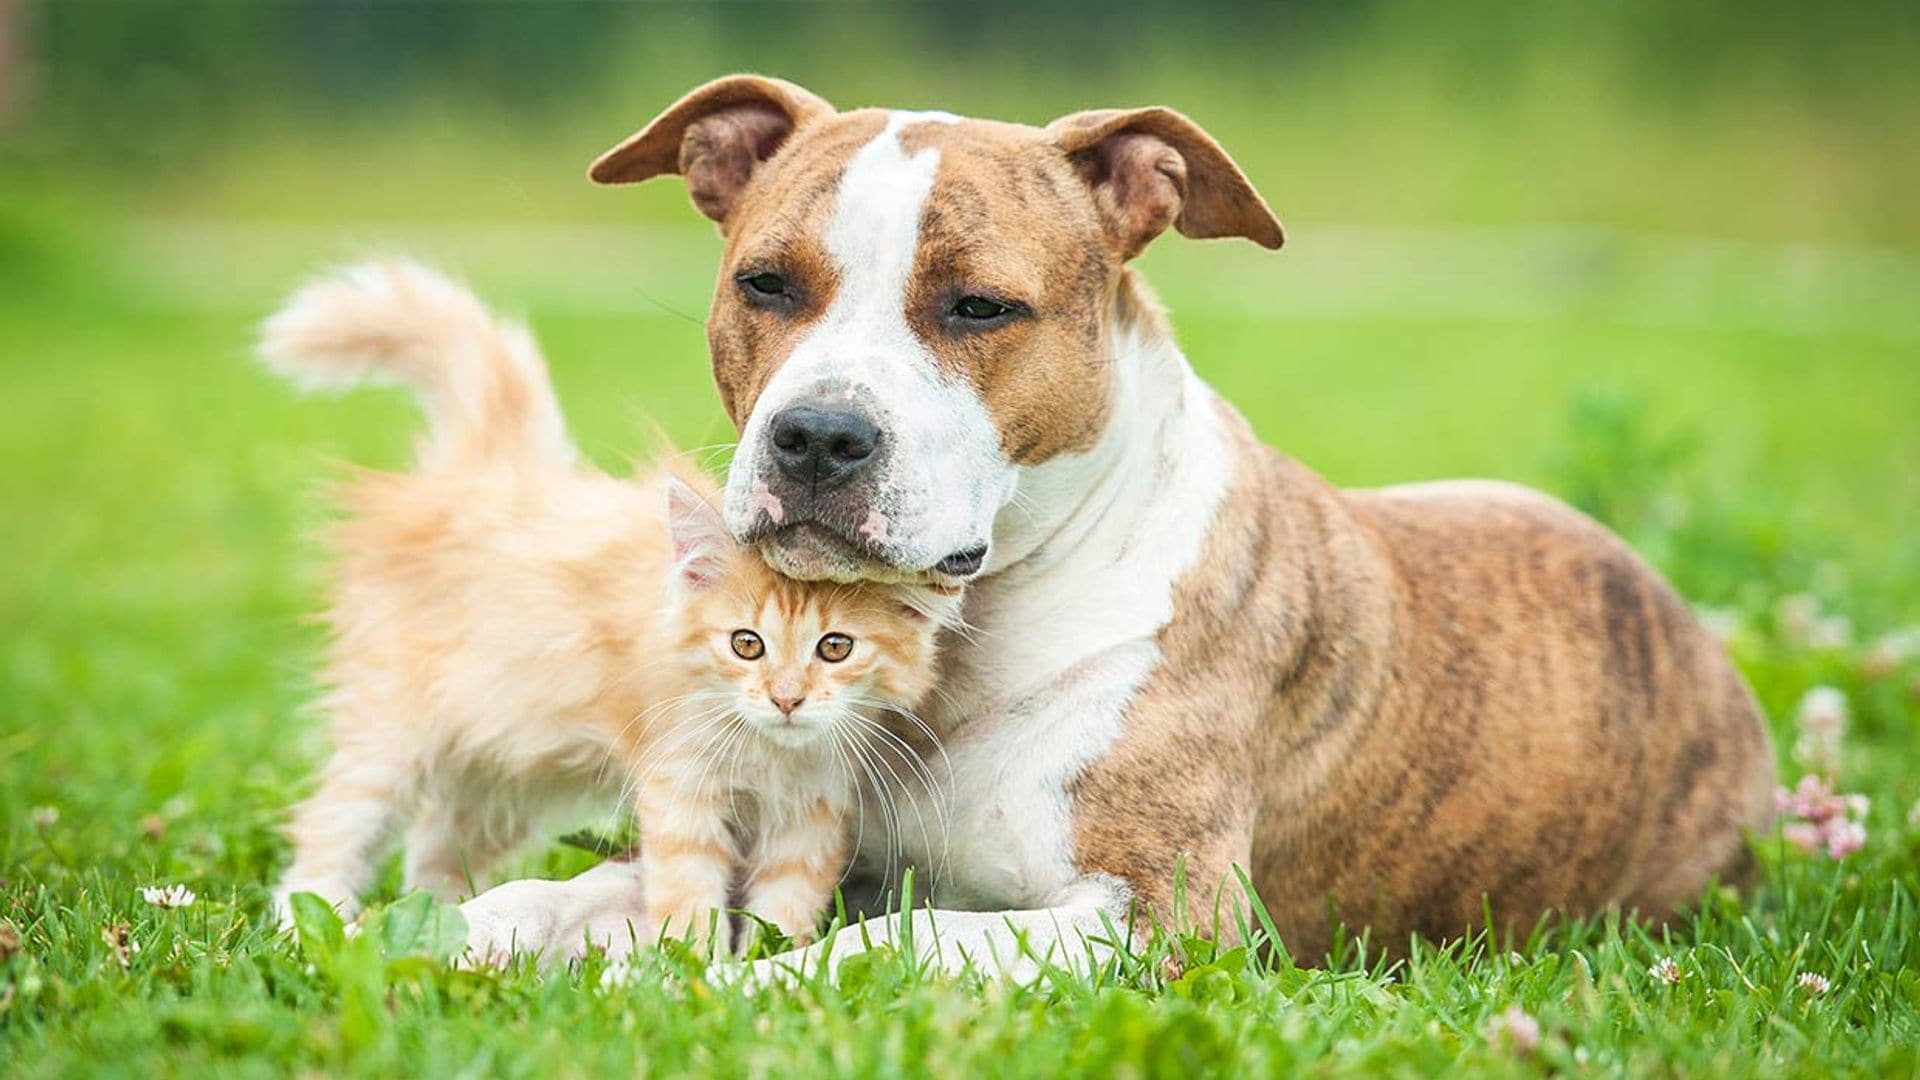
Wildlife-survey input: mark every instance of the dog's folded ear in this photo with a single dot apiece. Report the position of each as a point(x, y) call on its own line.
point(1151, 168)
point(714, 137)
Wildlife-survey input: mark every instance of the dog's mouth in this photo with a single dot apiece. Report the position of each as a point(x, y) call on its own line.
point(812, 551)
point(962, 565)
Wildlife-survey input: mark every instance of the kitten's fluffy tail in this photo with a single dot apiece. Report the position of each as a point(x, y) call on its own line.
point(480, 378)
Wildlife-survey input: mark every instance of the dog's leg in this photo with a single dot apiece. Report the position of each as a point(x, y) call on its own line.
point(1076, 932)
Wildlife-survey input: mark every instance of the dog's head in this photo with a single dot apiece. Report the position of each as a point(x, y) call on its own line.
point(913, 307)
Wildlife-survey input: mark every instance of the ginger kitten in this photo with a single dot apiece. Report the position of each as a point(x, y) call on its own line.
point(516, 633)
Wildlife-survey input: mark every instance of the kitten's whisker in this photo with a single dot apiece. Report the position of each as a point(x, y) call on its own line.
point(709, 754)
point(921, 770)
point(690, 728)
point(641, 771)
point(733, 789)
point(966, 631)
point(946, 762)
point(649, 715)
point(891, 801)
point(912, 761)
point(944, 807)
point(889, 813)
point(834, 740)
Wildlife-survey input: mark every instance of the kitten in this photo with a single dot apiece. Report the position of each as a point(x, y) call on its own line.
point(515, 633)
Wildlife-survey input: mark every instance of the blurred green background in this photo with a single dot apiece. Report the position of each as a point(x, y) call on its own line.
point(1662, 258)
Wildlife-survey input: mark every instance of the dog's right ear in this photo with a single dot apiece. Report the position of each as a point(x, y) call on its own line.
point(715, 137)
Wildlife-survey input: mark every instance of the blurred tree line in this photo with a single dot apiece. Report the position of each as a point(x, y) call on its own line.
point(121, 88)
point(114, 76)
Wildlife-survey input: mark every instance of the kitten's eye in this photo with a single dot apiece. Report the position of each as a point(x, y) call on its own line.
point(747, 645)
point(834, 648)
point(764, 283)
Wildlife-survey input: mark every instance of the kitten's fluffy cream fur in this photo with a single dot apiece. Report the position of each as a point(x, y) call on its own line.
point(515, 633)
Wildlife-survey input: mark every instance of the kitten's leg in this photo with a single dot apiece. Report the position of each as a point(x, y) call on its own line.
point(457, 840)
point(341, 831)
point(801, 854)
point(438, 856)
point(687, 859)
point(451, 846)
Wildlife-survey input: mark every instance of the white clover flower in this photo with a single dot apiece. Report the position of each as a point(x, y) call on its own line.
point(1794, 617)
point(1823, 708)
point(1520, 1030)
point(1666, 970)
point(1890, 651)
point(1822, 719)
point(1831, 633)
point(45, 817)
point(168, 896)
point(1812, 983)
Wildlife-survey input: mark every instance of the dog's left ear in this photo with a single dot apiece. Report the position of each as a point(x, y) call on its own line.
point(1151, 168)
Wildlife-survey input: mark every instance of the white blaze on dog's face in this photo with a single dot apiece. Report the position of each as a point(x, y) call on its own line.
point(913, 307)
point(933, 474)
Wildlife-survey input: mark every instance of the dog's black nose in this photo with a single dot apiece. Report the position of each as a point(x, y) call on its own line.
point(822, 446)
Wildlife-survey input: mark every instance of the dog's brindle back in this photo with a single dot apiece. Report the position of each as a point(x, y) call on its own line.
point(1434, 693)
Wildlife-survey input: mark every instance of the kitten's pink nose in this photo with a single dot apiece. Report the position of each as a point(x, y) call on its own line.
point(787, 704)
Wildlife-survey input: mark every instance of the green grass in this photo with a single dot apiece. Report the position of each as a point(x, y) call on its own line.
point(153, 665)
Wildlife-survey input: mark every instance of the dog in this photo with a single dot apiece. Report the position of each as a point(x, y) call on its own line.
point(1402, 709)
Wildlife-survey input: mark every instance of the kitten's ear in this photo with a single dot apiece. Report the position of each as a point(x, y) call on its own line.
point(701, 542)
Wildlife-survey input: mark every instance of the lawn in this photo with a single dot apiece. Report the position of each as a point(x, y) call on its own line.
point(1743, 412)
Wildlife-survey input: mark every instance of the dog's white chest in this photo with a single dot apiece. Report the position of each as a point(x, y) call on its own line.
point(1039, 690)
point(995, 828)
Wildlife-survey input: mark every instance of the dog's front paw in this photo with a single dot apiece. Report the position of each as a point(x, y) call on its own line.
point(783, 970)
point(517, 917)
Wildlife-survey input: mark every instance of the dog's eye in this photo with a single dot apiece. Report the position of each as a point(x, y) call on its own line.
point(834, 648)
point(980, 309)
point(747, 645)
point(765, 283)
